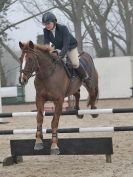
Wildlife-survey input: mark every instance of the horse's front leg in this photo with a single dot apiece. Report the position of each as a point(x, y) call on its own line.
point(39, 133)
point(54, 126)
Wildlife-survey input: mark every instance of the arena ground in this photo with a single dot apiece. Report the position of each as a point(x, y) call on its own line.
point(73, 166)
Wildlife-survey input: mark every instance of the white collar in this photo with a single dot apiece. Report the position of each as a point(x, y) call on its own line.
point(53, 31)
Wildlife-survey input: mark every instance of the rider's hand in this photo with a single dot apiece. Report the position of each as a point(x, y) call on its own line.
point(60, 56)
point(54, 54)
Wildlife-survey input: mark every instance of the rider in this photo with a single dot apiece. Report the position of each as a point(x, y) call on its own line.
point(63, 40)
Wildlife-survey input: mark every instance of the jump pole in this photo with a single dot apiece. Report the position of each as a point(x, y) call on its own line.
point(72, 112)
point(69, 130)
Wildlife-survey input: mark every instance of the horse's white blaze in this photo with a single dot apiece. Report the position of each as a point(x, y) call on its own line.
point(23, 66)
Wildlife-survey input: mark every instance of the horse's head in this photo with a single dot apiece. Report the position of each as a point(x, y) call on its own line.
point(35, 58)
point(28, 61)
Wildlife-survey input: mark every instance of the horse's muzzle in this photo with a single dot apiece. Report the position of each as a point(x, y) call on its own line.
point(23, 80)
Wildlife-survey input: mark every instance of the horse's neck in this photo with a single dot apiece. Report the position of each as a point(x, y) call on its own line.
point(47, 67)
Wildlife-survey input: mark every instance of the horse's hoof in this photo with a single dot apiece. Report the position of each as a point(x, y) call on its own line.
point(38, 146)
point(80, 116)
point(94, 115)
point(55, 151)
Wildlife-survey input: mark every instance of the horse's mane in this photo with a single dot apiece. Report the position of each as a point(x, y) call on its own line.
point(44, 48)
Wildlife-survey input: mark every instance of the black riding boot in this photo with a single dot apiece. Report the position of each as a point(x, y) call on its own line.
point(83, 75)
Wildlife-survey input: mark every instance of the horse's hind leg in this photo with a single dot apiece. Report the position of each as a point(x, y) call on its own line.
point(54, 126)
point(77, 99)
point(39, 134)
point(93, 94)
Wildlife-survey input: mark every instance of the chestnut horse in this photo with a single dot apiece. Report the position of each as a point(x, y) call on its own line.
point(53, 84)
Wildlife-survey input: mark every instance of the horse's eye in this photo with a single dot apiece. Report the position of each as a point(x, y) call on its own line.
point(28, 60)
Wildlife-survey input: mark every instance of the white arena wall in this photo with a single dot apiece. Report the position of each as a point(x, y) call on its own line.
point(115, 79)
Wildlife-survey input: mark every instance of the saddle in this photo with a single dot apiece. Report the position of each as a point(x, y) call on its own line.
point(70, 71)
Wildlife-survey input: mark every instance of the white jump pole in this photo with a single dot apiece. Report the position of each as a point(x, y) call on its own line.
point(69, 130)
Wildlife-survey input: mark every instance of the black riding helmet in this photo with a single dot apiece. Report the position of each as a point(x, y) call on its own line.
point(49, 17)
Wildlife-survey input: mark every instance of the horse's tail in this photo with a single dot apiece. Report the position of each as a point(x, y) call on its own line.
point(93, 85)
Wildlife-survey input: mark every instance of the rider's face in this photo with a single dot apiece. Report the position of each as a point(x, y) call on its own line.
point(49, 25)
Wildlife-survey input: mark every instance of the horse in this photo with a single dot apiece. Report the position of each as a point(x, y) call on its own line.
point(53, 84)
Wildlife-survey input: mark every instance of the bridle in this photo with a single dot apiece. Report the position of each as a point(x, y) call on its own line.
point(34, 65)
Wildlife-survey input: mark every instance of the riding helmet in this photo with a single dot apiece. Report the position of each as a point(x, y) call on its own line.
point(49, 17)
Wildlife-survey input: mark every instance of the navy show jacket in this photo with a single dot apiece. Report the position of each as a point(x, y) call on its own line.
point(63, 39)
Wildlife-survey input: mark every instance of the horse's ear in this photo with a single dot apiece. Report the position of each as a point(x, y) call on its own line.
point(21, 45)
point(31, 45)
